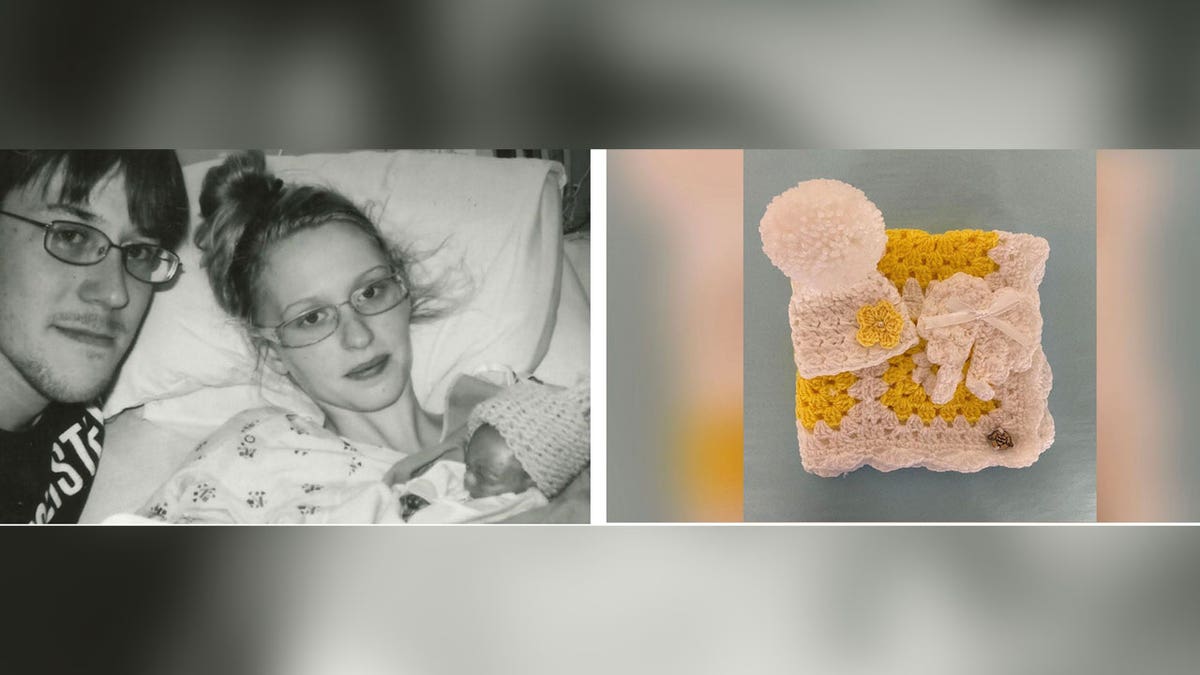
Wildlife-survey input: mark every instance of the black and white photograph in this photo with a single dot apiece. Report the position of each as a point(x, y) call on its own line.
point(268, 336)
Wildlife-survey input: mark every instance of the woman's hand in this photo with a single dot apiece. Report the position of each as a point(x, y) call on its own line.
point(414, 465)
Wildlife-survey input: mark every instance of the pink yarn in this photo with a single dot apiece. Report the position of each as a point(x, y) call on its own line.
point(823, 234)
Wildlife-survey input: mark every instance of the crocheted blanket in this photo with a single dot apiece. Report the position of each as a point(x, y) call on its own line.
point(933, 359)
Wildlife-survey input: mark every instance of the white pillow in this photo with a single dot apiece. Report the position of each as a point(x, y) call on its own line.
point(497, 220)
point(569, 354)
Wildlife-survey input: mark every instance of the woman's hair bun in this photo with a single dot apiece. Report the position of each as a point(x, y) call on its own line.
point(235, 200)
point(242, 181)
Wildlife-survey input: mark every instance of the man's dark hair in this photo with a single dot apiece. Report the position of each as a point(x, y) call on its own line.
point(154, 189)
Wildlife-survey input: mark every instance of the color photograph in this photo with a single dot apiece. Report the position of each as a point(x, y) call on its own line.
point(920, 340)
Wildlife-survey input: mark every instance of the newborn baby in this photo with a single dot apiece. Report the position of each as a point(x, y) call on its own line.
point(492, 466)
point(529, 440)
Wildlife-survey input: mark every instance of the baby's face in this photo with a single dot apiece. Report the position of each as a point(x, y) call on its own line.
point(492, 467)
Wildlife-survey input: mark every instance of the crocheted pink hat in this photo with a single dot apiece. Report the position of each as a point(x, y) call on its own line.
point(547, 427)
point(828, 237)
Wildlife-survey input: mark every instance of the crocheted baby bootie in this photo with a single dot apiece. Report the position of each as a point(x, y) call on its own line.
point(827, 237)
point(997, 330)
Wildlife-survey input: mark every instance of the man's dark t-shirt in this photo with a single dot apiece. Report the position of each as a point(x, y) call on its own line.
point(46, 471)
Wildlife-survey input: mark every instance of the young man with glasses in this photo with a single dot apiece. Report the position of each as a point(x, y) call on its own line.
point(86, 237)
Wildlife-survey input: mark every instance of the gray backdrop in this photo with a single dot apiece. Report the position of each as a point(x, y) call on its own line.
point(1047, 193)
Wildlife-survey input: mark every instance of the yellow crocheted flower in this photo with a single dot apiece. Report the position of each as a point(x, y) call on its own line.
point(879, 323)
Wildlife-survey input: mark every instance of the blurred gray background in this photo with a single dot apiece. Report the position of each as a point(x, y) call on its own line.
point(1047, 193)
point(948, 73)
point(695, 600)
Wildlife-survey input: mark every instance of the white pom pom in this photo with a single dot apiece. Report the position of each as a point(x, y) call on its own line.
point(824, 234)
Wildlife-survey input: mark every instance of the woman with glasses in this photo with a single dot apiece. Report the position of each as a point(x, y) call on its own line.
point(328, 303)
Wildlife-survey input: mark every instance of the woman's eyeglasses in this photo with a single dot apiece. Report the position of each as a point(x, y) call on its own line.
point(319, 323)
point(79, 244)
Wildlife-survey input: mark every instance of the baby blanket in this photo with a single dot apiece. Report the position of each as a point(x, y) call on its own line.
point(911, 348)
point(449, 502)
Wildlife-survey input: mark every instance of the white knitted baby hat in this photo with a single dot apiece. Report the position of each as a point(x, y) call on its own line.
point(827, 237)
point(547, 427)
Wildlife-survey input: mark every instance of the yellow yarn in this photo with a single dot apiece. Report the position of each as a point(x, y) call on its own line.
point(879, 323)
point(906, 398)
point(824, 398)
point(924, 257)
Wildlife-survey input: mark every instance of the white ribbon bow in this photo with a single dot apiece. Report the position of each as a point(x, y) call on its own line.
point(1002, 301)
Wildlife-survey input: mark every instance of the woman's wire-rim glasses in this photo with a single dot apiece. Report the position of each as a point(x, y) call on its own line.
point(81, 244)
point(318, 323)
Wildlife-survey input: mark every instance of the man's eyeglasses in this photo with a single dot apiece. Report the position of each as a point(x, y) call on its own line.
point(319, 323)
point(80, 244)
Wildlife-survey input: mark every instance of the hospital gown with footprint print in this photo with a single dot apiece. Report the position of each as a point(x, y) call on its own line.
point(270, 466)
